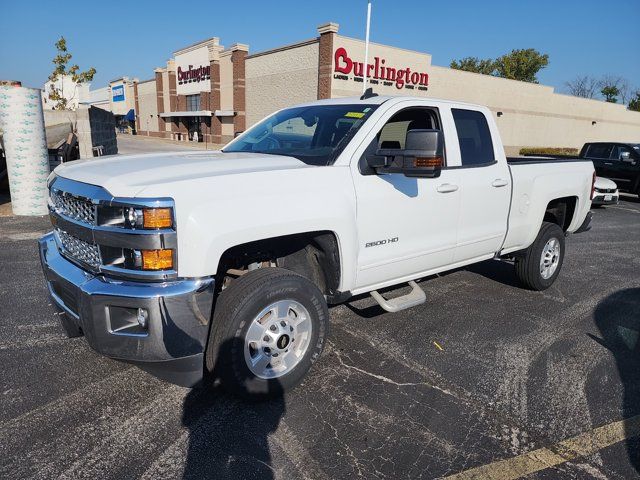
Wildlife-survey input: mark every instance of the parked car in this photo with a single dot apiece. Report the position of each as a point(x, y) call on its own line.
point(224, 262)
point(605, 192)
point(617, 161)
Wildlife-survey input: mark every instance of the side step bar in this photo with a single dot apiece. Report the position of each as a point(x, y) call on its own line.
point(415, 297)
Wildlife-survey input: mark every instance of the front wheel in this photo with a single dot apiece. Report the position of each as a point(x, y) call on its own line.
point(269, 327)
point(540, 264)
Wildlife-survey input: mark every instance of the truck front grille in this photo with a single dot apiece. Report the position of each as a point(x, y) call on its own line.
point(79, 250)
point(77, 208)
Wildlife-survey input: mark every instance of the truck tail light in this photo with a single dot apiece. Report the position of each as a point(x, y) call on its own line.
point(157, 259)
point(593, 185)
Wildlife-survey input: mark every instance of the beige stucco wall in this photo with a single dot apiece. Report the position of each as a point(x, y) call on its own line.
point(226, 81)
point(279, 79)
point(147, 101)
point(227, 129)
point(533, 115)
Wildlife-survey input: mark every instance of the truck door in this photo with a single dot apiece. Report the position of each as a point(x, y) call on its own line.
point(623, 167)
point(485, 188)
point(406, 226)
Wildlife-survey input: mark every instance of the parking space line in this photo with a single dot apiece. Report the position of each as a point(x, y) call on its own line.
point(581, 445)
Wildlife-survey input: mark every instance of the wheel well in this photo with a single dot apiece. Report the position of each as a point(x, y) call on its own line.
point(314, 255)
point(560, 211)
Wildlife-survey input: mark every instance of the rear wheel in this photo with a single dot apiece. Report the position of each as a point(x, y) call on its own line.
point(540, 264)
point(268, 329)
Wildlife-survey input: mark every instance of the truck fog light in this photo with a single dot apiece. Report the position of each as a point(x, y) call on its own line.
point(143, 316)
point(157, 259)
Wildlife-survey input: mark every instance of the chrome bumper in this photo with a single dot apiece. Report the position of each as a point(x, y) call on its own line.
point(173, 342)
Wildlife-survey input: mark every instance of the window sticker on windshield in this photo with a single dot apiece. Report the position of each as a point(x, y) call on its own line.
point(354, 114)
point(366, 109)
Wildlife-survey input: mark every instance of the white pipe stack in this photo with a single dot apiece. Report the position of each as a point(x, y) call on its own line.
point(25, 144)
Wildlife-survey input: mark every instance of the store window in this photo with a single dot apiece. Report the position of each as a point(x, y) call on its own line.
point(193, 103)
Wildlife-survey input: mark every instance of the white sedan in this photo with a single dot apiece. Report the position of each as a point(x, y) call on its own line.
point(606, 192)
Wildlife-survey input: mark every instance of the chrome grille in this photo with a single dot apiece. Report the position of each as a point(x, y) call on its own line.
point(79, 250)
point(77, 208)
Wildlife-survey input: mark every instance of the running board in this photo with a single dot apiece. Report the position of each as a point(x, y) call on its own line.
point(415, 297)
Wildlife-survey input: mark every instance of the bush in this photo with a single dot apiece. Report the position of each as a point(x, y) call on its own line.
point(560, 151)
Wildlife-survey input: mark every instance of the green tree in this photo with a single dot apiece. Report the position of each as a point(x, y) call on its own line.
point(521, 65)
point(61, 69)
point(610, 93)
point(475, 65)
point(634, 102)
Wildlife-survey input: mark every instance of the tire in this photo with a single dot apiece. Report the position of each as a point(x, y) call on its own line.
point(529, 265)
point(250, 325)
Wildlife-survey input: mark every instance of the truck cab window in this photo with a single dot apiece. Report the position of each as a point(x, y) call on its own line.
point(394, 132)
point(474, 137)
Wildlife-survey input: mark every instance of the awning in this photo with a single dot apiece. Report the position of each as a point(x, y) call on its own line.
point(199, 113)
point(130, 116)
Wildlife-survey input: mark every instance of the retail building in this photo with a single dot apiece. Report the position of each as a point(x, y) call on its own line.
point(210, 93)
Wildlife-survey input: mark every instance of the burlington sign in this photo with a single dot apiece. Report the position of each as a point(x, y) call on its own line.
point(193, 71)
point(378, 72)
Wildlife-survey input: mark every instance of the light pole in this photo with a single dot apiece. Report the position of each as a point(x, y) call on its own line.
point(366, 49)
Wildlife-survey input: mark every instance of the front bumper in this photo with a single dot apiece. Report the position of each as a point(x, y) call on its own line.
point(173, 342)
point(599, 199)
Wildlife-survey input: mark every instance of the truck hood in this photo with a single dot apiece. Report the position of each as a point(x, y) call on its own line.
point(128, 175)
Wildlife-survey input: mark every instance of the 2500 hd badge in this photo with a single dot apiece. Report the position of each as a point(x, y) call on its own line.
point(381, 242)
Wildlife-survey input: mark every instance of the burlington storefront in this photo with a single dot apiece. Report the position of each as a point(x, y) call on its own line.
point(209, 93)
point(198, 96)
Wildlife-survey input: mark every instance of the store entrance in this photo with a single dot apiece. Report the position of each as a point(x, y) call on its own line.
point(193, 127)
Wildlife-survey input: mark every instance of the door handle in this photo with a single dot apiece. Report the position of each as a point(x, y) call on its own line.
point(499, 182)
point(608, 163)
point(447, 188)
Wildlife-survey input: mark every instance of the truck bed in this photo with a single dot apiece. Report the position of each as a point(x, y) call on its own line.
point(536, 181)
point(543, 159)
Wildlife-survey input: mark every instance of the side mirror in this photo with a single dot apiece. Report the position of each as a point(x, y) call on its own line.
point(626, 157)
point(423, 155)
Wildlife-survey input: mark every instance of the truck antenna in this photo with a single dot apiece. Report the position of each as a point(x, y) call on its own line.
point(368, 93)
point(366, 49)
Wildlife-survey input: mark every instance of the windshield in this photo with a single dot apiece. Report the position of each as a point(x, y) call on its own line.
point(315, 135)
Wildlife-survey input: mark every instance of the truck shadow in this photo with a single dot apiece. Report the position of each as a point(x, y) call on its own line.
point(228, 437)
point(618, 320)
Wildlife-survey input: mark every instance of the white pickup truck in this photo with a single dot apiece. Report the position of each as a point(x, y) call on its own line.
point(221, 264)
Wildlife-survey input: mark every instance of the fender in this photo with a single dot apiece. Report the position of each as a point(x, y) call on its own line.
point(238, 209)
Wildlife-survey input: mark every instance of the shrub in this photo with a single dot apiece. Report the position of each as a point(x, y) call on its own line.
point(560, 151)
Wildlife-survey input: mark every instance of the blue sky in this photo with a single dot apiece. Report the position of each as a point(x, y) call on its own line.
point(132, 38)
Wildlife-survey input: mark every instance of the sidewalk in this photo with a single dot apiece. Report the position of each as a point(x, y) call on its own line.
point(144, 138)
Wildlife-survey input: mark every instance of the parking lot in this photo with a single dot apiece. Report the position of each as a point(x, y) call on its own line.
point(485, 380)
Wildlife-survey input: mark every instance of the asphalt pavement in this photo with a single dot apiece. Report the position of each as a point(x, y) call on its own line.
point(485, 380)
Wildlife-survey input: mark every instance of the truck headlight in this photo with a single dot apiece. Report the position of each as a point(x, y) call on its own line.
point(149, 217)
